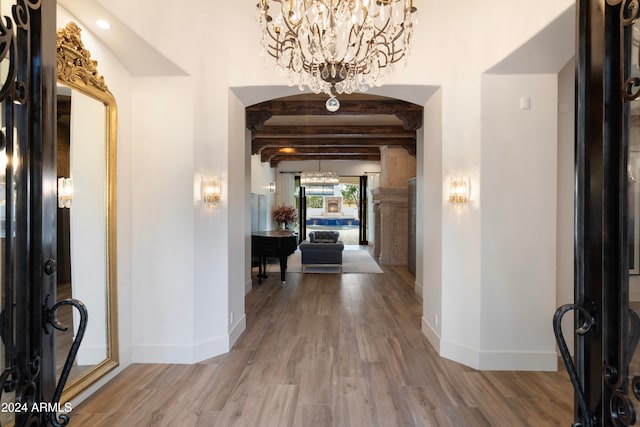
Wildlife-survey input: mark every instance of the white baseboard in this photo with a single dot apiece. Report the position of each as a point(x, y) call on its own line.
point(210, 348)
point(417, 288)
point(500, 360)
point(237, 330)
point(186, 354)
point(248, 285)
point(432, 335)
point(460, 353)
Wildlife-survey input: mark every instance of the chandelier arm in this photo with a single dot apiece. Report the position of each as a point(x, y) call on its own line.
point(359, 36)
point(292, 26)
point(306, 64)
point(391, 55)
point(381, 31)
point(400, 34)
point(291, 48)
point(389, 45)
point(271, 35)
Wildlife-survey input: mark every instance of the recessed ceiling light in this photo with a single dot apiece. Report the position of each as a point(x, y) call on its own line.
point(101, 23)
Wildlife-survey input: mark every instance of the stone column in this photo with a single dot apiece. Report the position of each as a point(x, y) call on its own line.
point(376, 226)
point(391, 206)
point(391, 209)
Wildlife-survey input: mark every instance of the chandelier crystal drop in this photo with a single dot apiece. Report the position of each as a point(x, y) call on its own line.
point(336, 46)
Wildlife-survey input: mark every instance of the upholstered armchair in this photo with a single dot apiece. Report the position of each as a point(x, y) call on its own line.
point(322, 249)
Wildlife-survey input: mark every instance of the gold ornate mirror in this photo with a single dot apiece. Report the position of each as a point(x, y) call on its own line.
point(86, 164)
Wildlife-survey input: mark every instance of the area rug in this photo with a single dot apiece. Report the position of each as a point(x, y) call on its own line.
point(353, 261)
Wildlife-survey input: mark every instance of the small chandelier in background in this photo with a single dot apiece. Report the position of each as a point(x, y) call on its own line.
point(336, 46)
point(319, 179)
point(319, 183)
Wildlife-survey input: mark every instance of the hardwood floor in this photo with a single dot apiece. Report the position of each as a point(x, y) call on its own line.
point(330, 350)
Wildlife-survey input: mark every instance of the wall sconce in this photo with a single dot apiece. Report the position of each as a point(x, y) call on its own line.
point(459, 190)
point(65, 192)
point(272, 187)
point(210, 191)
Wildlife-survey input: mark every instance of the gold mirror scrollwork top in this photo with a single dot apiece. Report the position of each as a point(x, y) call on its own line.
point(77, 71)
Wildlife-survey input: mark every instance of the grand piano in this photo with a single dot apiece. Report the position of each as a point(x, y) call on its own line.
point(273, 244)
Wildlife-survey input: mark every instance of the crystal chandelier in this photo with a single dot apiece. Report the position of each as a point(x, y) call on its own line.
point(336, 46)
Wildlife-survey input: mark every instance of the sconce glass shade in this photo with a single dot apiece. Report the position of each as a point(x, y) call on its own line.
point(459, 190)
point(65, 192)
point(210, 189)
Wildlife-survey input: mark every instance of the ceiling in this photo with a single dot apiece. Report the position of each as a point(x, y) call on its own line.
point(138, 56)
point(299, 127)
point(286, 129)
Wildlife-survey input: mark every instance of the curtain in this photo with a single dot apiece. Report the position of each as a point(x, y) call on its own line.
point(285, 185)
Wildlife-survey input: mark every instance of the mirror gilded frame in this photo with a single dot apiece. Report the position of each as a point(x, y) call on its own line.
point(76, 70)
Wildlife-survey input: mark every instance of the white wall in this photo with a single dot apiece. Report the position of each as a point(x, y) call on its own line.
point(429, 223)
point(519, 215)
point(239, 196)
point(261, 175)
point(163, 244)
point(172, 144)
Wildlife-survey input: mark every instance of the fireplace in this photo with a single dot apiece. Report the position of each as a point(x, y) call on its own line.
point(333, 205)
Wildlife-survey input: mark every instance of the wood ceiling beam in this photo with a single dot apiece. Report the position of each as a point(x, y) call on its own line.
point(343, 141)
point(257, 145)
point(277, 159)
point(335, 131)
point(347, 107)
point(268, 153)
point(410, 114)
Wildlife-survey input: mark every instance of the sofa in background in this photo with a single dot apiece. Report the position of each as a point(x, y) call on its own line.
point(322, 249)
point(324, 236)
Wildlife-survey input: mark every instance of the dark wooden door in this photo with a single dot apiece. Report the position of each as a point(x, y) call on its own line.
point(28, 231)
point(363, 209)
point(602, 369)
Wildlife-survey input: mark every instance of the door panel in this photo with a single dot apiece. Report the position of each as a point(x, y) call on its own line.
point(603, 369)
point(28, 212)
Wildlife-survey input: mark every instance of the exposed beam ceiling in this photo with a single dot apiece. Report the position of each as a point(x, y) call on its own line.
point(300, 128)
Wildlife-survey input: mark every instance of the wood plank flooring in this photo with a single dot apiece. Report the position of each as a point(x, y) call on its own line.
point(329, 350)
